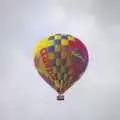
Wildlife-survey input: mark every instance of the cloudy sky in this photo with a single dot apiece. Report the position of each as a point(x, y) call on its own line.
point(24, 95)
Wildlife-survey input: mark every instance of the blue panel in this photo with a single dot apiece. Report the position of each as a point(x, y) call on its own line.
point(58, 55)
point(64, 37)
point(57, 42)
point(50, 49)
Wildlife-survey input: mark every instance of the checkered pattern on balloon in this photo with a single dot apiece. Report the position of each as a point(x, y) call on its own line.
point(61, 59)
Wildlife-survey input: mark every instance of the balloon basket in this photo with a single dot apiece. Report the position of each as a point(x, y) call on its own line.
point(60, 97)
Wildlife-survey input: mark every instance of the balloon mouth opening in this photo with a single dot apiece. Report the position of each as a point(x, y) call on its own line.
point(60, 97)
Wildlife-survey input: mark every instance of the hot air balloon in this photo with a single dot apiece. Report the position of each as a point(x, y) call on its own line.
point(60, 60)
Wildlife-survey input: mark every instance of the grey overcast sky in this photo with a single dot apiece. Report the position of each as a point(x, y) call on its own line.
point(24, 95)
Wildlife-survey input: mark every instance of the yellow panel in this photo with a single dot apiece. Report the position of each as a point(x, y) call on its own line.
point(63, 55)
point(57, 48)
point(71, 38)
point(40, 45)
point(57, 62)
point(57, 37)
point(64, 42)
point(50, 42)
point(57, 85)
point(51, 56)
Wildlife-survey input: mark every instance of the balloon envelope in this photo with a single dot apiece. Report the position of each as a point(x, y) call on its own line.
point(60, 59)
